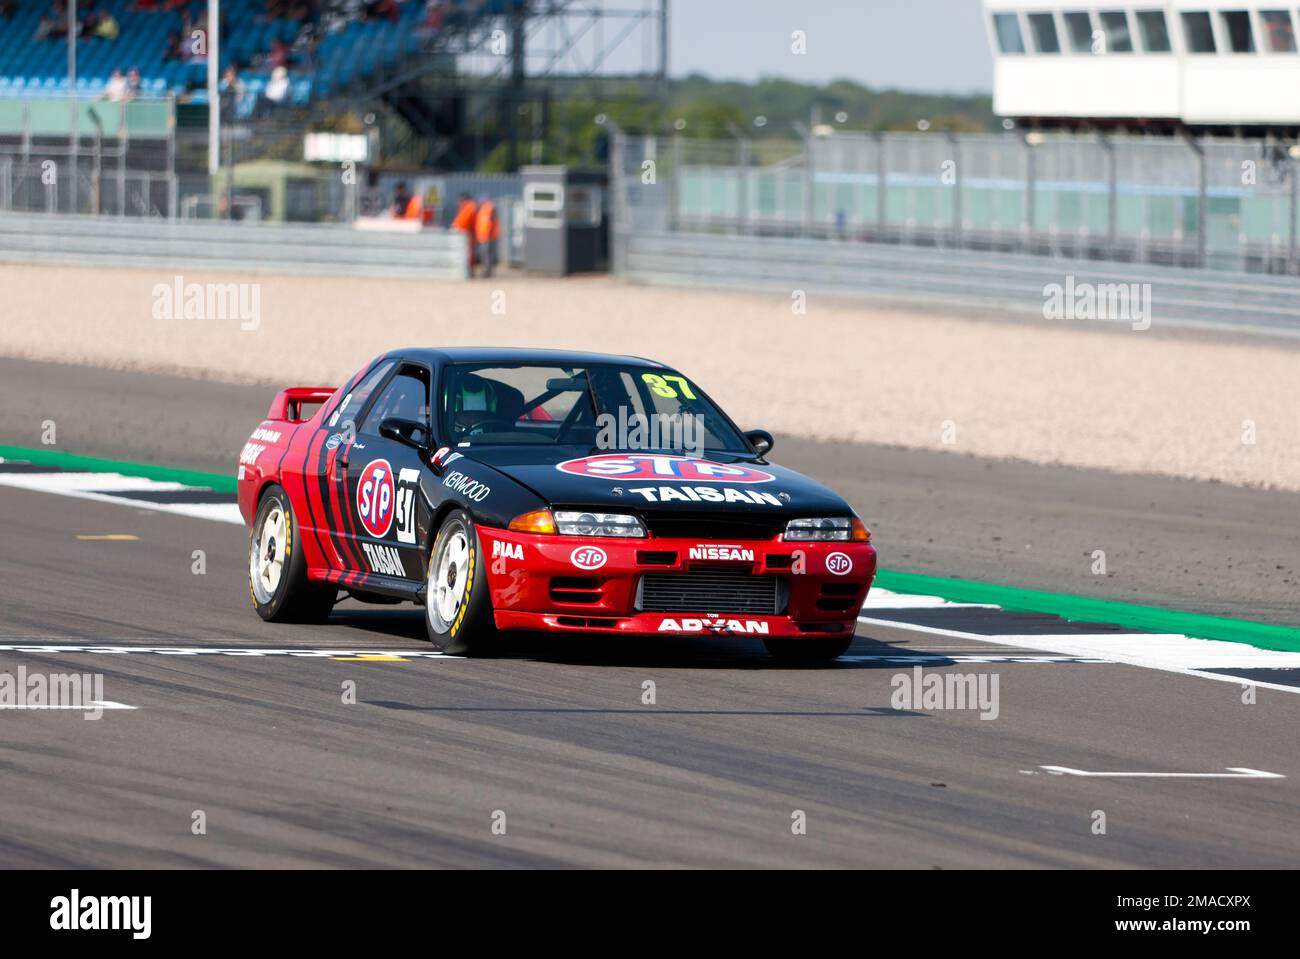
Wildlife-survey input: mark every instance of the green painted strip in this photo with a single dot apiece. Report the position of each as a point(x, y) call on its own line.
point(1085, 609)
point(94, 464)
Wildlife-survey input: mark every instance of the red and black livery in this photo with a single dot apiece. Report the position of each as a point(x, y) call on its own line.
point(484, 485)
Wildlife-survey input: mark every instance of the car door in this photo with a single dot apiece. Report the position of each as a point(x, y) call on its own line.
point(381, 481)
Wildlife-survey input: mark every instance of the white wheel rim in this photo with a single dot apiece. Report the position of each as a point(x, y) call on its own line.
point(448, 574)
point(266, 554)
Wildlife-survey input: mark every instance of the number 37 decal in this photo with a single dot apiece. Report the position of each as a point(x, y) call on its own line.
point(408, 482)
point(661, 385)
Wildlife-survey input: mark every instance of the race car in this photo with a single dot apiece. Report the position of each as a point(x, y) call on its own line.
point(582, 493)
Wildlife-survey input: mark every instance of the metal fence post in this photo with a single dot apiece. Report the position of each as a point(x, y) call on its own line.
point(1112, 194)
point(743, 187)
point(1293, 265)
point(882, 185)
point(1031, 175)
point(618, 183)
point(956, 185)
point(674, 186)
point(809, 179)
point(1202, 201)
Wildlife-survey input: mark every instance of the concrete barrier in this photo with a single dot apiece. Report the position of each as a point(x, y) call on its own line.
point(310, 248)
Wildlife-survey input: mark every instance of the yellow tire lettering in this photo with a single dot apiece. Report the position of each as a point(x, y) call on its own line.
point(469, 587)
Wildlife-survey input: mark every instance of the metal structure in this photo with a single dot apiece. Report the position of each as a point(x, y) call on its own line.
point(1219, 204)
point(127, 153)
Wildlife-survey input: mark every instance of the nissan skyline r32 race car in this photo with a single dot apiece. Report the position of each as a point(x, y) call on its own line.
point(542, 490)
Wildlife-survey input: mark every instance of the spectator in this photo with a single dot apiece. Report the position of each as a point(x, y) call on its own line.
point(487, 231)
point(116, 89)
point(277, 88)
point(401, 200)
point(232, 88)
point(106, 27)
point(54, 23)
point(464, 222)
point(382, 10)
point(173, 51)
point(132, 83)
point(278, 57)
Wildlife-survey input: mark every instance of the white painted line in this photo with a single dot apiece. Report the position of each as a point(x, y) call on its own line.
point(884, 599)
point(99, 488)
point(249, 651)
point(1234, 772)
point(100, 703)
point(1168, 652)
point(940, 660)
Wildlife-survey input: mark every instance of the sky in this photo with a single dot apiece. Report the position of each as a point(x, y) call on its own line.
point(916, 45)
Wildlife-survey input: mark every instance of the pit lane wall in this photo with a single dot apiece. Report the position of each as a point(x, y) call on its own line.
point(307, 249)
point(1135, 294)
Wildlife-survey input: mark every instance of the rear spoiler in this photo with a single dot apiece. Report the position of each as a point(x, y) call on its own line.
point(287, 405)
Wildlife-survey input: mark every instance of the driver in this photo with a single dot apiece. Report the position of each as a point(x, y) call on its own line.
point(474, 402)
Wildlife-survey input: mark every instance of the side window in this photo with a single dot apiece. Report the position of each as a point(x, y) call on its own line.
point(347, 411)
point(406, 396)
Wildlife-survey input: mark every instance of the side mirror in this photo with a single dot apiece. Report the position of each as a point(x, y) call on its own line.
point(407, 432)
point(761, 440)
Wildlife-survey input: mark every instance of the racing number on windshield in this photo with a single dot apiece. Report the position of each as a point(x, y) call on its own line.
point(660, 386)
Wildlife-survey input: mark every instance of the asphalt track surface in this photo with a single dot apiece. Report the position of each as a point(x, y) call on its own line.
point(554, 734)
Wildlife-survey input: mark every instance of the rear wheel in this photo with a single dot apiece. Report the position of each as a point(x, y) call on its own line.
point(458, 607)
point(812, 649)
point(277, 570)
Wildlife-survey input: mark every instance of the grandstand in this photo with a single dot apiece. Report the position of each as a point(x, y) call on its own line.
point(325, 52)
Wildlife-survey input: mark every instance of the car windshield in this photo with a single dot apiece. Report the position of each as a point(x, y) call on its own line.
point(608, 407)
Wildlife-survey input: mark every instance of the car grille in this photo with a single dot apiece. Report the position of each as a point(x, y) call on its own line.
point(711, 589)
point(724, 528)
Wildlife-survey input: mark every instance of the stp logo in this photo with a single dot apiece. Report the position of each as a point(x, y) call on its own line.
point(839, 564)
point(661, 466)
point(375, 498)
point(588, 557)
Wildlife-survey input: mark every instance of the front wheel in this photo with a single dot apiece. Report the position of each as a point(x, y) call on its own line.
point(277, 570)
point(458, 607)
point(813, 649)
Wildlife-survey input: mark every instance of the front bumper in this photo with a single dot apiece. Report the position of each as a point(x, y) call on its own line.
point(594, 584)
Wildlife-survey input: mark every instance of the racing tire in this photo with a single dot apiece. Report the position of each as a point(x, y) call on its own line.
point(277, 569)
point(458, 604)
point(812, 649)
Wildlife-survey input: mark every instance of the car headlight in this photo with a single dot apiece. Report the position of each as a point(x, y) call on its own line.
point(581, 523)
point(827, 529)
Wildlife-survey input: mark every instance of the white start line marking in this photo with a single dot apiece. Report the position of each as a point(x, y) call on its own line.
point(94, 703)
point(1234, 772)
point(1167, 652)
point(250, 652)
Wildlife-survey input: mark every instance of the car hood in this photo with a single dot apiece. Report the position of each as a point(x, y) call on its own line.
point(649, 482)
